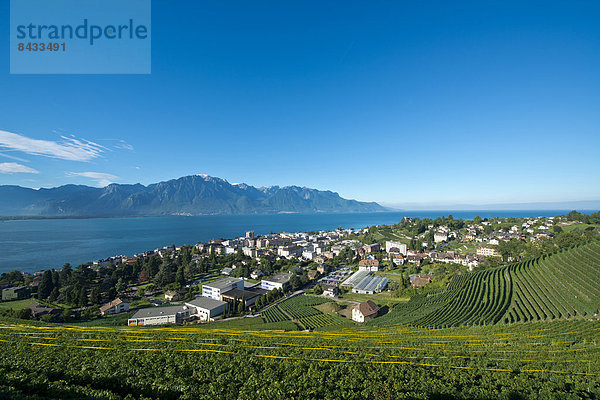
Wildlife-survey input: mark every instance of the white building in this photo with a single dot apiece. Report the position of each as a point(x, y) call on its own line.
point(214, 289)
point(395, 245)
point(206, 308)
point(276, 281)
point(288, 251)
point(159, 316)
point(439, 237)
point(114, 307)
point(365, 311)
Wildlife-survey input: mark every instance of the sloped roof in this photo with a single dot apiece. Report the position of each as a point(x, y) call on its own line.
point(111, 304)
point(367, 308)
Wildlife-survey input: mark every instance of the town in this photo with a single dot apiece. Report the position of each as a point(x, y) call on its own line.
point(361, 273)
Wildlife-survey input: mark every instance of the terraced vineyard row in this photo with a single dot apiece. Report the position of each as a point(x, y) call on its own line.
point(549, 360)
point(274, 314)
point(560, 285)
point(301, 308)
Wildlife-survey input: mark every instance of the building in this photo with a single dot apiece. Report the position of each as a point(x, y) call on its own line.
point(313, 274)
point(214, 289)
point(160, 316)
point(330, 291)
point(439, 237)
point(369, 248)
point(370, 285)
point(354, 279)
point(322, 268)
point(368, 265)
point(365, 311)
point(172, 295)
point(205, 308)
point(114, 307)
point(15, 293)
point(39, 310)
point(234, 296)
point(257, 273)
point(277, 281)
point(487, 250)
point(420, 281)
point(289, 251)
point(395, 247)
point(227, 271)
point(397, 259)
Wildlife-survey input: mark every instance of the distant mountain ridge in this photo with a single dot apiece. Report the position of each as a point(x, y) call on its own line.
point(189, 195)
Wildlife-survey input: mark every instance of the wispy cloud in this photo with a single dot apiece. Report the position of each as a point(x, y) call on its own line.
point(12, 157)
point(15, 168)
point(102, 178)
point(70, 148)
point(124, 145)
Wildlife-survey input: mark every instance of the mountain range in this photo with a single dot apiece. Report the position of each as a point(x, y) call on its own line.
point(189, 195)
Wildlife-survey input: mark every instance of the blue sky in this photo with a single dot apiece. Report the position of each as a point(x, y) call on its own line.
point(397, 102)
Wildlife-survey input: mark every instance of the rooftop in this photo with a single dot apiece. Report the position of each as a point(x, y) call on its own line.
point(222, 283)
point(205, 302)
point(278, 278)
point(367, 308)
point(241, 294)
point(158, 311)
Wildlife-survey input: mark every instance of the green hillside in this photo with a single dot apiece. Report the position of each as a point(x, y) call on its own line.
point(560, 285)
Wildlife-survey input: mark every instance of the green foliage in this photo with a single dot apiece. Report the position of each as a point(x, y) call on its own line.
point(560, 285)
point(557, 360)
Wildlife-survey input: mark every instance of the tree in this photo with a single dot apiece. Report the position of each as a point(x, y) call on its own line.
point(121, 285)
point(180, 275)
point(46, 285)
point(295, 282)
point(143, 276)
point(54, 294)
point(95, 297)
point(82, 299)
point(66, 314)
point(12, 276)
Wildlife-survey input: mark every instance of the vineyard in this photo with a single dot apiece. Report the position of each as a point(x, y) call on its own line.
point(560, 285)
point(559, 359)
point(301, 309)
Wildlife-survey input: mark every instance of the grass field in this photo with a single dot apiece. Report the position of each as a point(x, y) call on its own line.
point(15, 304)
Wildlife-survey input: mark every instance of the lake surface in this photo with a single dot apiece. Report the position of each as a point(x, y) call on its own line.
point(32, 245)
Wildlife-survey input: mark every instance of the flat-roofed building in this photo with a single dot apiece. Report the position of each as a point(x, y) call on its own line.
point(159, 316)
point(370, 285)
point(276, 281)
point(205, 308)
point(15, 293)
point(214, 289)
point(395, 247)
point(234, 296)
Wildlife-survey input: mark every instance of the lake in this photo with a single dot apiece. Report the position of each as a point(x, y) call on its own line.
point(32, 245)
